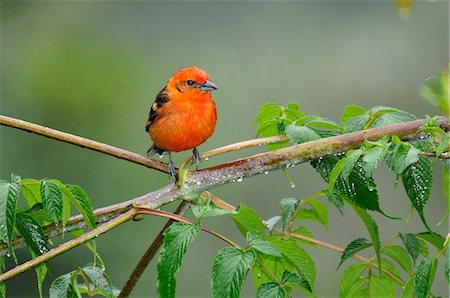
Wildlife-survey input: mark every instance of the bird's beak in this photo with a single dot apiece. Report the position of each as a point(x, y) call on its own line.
point(208, 86)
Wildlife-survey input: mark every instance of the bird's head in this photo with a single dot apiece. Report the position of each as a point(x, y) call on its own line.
point(191, 80)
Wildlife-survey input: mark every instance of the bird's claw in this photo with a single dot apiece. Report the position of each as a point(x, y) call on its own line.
point(172, 172)
point(196, 158)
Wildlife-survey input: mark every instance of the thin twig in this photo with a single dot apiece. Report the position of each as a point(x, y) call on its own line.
point(149, 254)
point(68, 245)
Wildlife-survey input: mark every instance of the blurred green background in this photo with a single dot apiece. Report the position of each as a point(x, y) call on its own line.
point(93, 69)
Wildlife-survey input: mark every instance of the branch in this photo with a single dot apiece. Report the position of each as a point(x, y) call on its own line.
point(195, 182)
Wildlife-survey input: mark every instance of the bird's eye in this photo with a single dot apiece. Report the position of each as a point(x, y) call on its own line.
point(190, 82)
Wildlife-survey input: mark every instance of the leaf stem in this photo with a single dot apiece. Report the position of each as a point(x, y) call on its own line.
point(301, 204)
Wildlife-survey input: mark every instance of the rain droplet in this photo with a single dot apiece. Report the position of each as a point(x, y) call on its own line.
point(266, 172)
point(259, 274)
point(239, 179)
point(8, 254)
point(199, 182)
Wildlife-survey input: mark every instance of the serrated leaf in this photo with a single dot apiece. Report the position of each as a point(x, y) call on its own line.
point(81, 201)
point(350, 280)
point(177, 239)
point(270, 267)
point(400, 255)
point(446, 183)
point(354, 247)
point(424, 277)
point(208, 209)
point(32, 233)
point(423, 248)
point(408, 290)
point(99, 278)
point(412, 245)
point(433, 238)
point(30, 189)
point(371, 160)
point(228, 272)
point(271, 222)
point(322, 123)
point(247, 220)
point(270, 290)
point(294, 280)
point(301, 134)
point(61, 286)
point(41, 271)
point(417, 180)
point(9, 192)
point(287, 209)
point(380, 286)
point(351, 158)
point(351, 111)
point(318, 212)
point(297, 256)
point(358, 190)
point(371, 227)
point(52, 199)
point(262, 245)
point(335, 174)
point(356, 123)
point(390, 267)
point(389, 118)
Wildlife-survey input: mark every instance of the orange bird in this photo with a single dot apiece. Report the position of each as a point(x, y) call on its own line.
point(183, 115)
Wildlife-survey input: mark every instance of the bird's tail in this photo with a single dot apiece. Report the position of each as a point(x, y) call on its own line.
point(153, 150)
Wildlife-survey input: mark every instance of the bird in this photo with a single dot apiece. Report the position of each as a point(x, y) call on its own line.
point(183, 116)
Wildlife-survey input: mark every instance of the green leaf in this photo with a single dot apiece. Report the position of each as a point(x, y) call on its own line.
point(30, 189)
point(228, 272)
point(52, 199)
point(99, 278)
point(61, 287)
point(412, 245)
point(358, 190)
point(270, 290)
point(400, 255)
point(371, 160)
point(297, 256)
point(351, 158)
point(417, 180)
point(351, 111)
point(177, 238)
point(356, 123)
point(304, 232)
point(262, 245)
point(9, 192)
point(41, 271)
point(371, 227)
point(433, 238)
point(408, 290)
point(423, 248)
point(294, 280)
point(32, 233)
point(354, 247)
point(208, 209)
point(446, 183)
point(271, 267)
point(287, 209)
point(350, 280)
point(82, 202)
point(380, 286)
point(321, 123)
point(301, 134)
point(424, 277)
point(388, 118)
point(247, 220)
point(335, 174)
point(385, 263)
point(318, 212)
point(271, 222)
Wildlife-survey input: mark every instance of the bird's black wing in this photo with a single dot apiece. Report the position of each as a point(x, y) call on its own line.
point(161, 99)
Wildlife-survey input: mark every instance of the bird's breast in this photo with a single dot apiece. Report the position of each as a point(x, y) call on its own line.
point(184, 124)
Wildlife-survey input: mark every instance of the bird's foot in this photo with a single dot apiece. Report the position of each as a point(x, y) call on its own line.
point(196, 158)
point(172, 172)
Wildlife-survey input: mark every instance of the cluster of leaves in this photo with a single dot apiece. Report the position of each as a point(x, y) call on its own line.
point(277, 261)
point(47, 202)
point(90, 279)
